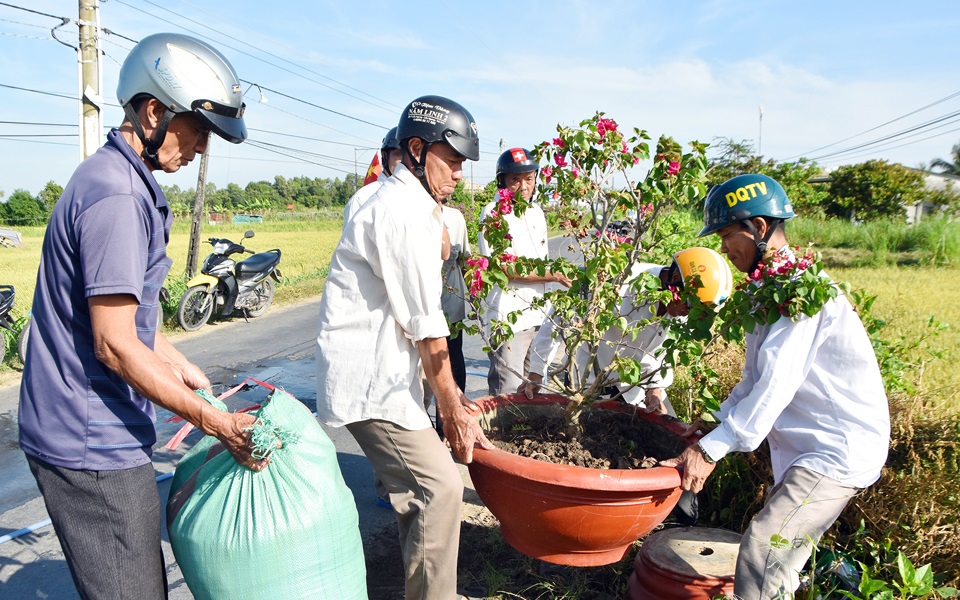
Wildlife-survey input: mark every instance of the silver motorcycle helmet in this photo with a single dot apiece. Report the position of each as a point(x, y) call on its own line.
point(186, 75)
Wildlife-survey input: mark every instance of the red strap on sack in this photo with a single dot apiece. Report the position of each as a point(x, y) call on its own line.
point(188, 427)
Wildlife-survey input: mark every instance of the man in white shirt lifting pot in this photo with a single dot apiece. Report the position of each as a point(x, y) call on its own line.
point(811, 387)
point(380, 318)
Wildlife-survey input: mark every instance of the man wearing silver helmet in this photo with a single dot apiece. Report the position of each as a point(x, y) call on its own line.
point(96, 365)
point(380, 320)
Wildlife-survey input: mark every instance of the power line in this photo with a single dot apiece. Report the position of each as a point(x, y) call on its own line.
point(13, 87)
point(308, 103)
point(278, 151)
point(36, 12)
point(302, 137)
point(268, 53)
point(950, 97)
point(873, 151)
point(892, 136)
point(235, 49)
point(40, 124)
point(58, 95)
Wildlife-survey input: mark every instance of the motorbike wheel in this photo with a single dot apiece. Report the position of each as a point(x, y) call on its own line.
point(195, 308)
point(263, 294)
point(22, 341)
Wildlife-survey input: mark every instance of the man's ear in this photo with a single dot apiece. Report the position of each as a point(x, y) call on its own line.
point(762, 225)
point(151, 113)
point(415, 145)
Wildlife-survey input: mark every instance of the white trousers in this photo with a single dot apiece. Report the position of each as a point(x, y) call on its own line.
point(781, 536)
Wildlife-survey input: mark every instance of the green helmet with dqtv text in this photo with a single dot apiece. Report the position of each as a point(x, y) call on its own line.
point(744, 197)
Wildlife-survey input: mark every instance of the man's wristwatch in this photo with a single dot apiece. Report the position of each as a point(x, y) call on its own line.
point(704, 454)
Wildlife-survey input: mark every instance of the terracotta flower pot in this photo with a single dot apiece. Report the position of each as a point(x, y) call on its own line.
point(565, 514)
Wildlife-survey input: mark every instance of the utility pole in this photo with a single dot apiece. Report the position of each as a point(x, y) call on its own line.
point(356, 172)
point(91, 78)
point(760, 135)
point(197, 222)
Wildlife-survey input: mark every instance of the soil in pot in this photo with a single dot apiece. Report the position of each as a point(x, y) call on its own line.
point(611, 439)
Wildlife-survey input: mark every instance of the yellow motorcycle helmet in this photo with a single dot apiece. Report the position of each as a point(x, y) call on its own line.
point(715, 278)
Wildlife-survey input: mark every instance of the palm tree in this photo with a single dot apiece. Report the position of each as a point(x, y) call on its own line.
point(947, 167)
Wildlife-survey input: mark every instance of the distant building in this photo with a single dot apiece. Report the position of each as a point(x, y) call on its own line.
point(935, 182)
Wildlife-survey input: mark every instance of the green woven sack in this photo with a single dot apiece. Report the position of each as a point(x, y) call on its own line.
point(289, 531)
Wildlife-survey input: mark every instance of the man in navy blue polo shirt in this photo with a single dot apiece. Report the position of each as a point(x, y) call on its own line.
point(96, 365)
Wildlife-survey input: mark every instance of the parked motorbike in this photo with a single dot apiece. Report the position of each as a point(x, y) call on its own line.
point(225, 285)
point(7, 295)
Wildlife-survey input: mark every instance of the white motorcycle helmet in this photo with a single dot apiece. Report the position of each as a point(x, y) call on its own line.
point(186, 75)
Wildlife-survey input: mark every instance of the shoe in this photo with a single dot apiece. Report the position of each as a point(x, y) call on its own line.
point(687, 510)
point(471, 592)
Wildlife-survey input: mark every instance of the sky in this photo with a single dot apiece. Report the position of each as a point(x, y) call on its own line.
point(839, 82)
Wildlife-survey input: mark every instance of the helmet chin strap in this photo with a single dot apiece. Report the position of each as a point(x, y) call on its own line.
point(419, 166)
point(151, 146)
point(760, 242)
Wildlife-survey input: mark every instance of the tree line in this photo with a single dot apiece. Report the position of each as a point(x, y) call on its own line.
point(22, 208)
point(866, 191)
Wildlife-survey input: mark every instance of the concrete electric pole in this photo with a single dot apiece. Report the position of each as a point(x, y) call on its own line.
point(193, 251)
point(91, 78)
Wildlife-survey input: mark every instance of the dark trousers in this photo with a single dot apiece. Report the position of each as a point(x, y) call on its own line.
point(108, 523)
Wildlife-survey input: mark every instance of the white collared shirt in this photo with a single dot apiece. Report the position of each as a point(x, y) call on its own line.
point(529, 239)
point(362, 196)
point(382, 296)
point(813, 389)
point(645, 349)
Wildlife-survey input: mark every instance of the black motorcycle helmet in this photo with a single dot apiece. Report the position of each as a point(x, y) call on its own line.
point(515, 160)
point(390, 142)
point(437, 119)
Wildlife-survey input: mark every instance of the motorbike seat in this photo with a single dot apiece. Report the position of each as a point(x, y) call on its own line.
point(257, 264)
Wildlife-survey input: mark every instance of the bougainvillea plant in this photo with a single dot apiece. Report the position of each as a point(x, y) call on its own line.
point(612, 217)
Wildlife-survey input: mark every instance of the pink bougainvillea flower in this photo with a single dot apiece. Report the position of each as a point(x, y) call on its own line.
point(646, 209)
point(476, 285)
point(636, 159)
point(605, 126)
point(506, 257)
point(673, 168)
point(504, 201)
point(576, 172)
point(558, 143)
point(623, 148)
point(508, 237)
point(560, 160)
point(480, 262)
point(547, 173)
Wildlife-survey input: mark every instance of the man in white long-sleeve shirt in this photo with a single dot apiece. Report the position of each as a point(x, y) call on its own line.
point(380, 320)
point(646, 347)
point(389, 159)
point(811, 387)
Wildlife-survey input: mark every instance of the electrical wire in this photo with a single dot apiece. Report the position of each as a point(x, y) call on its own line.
point(932, 104)
point(268, 53)
point(235, 49)
point(256, 144)
point(891, 136)
point(36, 12)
